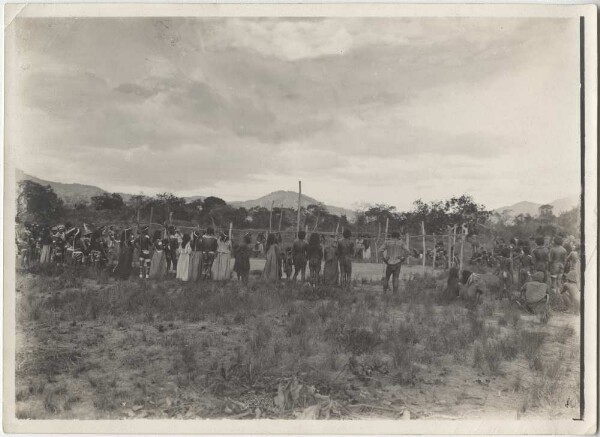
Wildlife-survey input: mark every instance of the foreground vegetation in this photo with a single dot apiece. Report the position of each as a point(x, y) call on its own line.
point(89, 347)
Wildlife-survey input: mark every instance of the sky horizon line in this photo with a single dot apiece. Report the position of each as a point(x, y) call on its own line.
point(351, 207)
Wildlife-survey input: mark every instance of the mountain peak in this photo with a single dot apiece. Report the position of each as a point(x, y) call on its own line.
point(532, 208)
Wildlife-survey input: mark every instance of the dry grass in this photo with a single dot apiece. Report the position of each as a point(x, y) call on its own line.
point(219, 341)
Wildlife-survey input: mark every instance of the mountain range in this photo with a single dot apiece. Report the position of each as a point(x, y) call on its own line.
point(74, 193)
point(559, 205)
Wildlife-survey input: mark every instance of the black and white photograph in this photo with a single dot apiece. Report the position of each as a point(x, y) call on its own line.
point(326, 216)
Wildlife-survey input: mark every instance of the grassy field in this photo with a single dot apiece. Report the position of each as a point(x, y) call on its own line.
point(89, 347)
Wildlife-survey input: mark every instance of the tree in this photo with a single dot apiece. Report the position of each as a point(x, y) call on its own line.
point(211, 202)
point(108, 201)
point(570, 221)
point(545, 213)
point(37, 202)
point(316, 213)
point(380, 212)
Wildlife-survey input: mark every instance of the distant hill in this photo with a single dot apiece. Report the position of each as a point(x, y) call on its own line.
point(70, 193)
point(289, 199)
point(73, 193)
point(531, 208)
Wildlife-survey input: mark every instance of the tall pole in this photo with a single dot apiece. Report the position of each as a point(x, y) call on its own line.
point(271, 217)
point(423, 232)
point(280, 217)
point(408, 248)
point(462, 244)
point(449, 246)
point(299, 200)
point(377, 241)
point(434, 252)
point(151, 213)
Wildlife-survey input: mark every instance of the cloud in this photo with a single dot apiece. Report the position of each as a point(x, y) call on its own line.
point(231, 104)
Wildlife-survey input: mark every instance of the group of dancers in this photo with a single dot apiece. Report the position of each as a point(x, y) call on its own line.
point(193, 256)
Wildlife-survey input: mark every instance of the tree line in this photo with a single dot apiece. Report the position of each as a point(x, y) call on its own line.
point(40, 204)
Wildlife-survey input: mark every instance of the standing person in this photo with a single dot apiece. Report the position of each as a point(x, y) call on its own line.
point(221, 268)
point(209, 249)
point(169, 255)
point(314, 252)
point(394, 254)
point(557, 258)
point(173, 249)
point(271, 270)
point(242, 259)
point(525, 265)
point(143, 245)
point(330, 271)
point(158, 265)
point(123, 267)
point(540, 257)
point(345, 251)
point(46, 242)
point(475, 245)
point(367, 251)
point(573, 264)
point(183, 260)
point(299, 253)
point(58, 245)
point(80, 248)
point(286, 263)
point(196, 256)
point(505, 272)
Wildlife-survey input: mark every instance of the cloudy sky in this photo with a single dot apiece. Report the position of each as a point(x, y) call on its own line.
point(362, 110)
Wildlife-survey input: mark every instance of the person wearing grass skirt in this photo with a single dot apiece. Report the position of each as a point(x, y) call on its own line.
point(123, 268)
point(271, 270)
point(158, 264)
point(183, 261)
point(330, 270)
point(196, 256)
point(46, 241)
point(221, 268)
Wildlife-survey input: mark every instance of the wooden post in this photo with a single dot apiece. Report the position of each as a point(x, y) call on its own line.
point(271, 217)
point(462, 244)
point(387, 223)
point(299, 200)
point(408, 248)
point(280, 217)
point(449, 245)
point(377, 242)
point(454, 243)
point(434, 251)
point(423, 232)
point(151, 213)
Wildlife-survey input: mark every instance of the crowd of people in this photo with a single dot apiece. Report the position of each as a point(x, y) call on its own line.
point(193, 256)
point(539, 267)
point(203, 255)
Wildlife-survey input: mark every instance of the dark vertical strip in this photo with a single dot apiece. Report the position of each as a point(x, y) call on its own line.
point(582, 209)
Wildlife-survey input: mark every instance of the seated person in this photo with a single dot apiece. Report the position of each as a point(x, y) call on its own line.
point(535, 293)
point(570, 293)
